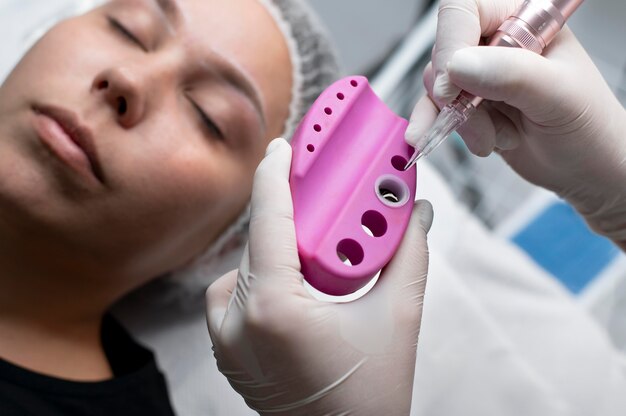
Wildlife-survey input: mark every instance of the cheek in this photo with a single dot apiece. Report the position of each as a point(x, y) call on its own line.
point(57, 51)
point(170, 159)
point(185, 189)
point(59, 66)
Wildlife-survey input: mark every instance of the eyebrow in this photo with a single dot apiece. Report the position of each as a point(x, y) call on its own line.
point(170, 9)
point(239, 81)
point(228, 71)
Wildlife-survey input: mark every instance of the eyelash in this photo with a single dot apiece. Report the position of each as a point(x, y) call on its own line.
point(120, 28)
point(208, 122)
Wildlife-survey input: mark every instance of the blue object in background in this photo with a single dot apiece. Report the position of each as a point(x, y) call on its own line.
point(560, 241)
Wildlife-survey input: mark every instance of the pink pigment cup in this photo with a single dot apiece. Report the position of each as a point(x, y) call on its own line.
point(352, 199)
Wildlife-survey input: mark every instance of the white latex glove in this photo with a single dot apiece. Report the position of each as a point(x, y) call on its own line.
point(288, 353)
point(552, 117)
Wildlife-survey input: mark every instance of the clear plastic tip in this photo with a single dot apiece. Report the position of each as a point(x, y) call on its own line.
point(449, 120)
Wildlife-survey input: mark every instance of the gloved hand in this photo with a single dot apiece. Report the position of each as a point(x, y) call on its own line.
point(552, 117)
point(288, 353)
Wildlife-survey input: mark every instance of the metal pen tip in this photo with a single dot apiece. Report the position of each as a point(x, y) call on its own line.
point(416, 156)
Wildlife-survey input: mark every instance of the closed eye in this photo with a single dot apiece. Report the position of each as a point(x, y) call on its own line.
point(208, 123)
point(120, 28)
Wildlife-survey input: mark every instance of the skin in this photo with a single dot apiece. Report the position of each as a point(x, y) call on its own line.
point(71, 245)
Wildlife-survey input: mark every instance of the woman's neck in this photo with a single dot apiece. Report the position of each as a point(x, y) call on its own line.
point(58, 350)
point(50, 322)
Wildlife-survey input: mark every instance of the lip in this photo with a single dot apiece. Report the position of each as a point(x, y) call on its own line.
point(61, 131)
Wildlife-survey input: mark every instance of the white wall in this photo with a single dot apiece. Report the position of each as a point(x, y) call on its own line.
point(365, 29)
point(600, 25)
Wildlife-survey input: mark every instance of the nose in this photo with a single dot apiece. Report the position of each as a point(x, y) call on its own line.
point(124, 93)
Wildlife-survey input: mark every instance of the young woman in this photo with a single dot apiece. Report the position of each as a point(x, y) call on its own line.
point(128, 141)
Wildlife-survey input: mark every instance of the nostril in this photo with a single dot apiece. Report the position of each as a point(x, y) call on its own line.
point(103, 85)
point(122, 106)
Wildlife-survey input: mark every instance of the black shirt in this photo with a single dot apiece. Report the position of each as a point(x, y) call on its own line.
point(138, 387)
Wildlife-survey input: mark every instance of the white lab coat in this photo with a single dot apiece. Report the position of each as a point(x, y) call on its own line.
point(502, 337)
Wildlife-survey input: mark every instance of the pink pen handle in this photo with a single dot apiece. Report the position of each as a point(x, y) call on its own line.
point(532, 27)
point(535, 24)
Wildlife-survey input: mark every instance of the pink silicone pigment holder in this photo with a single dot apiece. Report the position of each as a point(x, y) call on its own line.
point(348, 148)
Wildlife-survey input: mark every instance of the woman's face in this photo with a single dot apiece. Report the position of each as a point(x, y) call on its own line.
point(172, 104)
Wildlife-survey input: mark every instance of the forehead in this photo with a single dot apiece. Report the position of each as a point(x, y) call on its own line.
point(241, 30)
point(231, 27)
